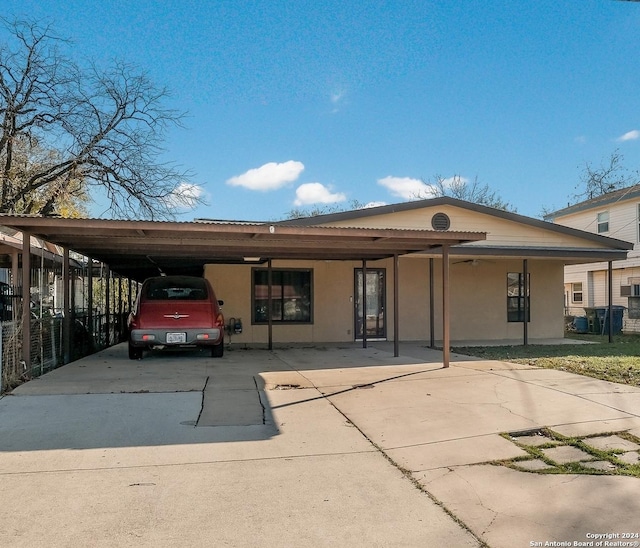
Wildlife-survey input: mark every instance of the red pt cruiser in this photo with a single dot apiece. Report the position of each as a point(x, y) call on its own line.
point(176, 311)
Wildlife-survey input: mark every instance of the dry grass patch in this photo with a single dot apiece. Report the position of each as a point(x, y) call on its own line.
point(618, 361)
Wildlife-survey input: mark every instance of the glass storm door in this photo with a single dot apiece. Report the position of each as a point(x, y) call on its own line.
point(373, 319)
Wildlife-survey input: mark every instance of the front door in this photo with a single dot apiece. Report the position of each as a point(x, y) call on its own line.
point(373, 319)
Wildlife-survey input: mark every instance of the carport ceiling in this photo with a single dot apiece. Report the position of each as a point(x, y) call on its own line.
point(139, 249)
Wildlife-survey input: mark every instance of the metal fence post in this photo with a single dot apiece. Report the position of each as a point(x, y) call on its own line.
point(1, 360)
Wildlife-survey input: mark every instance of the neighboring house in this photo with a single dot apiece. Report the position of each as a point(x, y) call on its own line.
point(47, 262)
point(320, 301)
point(616, 214)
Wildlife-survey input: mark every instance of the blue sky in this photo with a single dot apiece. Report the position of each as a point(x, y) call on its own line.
point(299, 104)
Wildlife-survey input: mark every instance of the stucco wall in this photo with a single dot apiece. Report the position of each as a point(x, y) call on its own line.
point(499, 231)
point(478, 300)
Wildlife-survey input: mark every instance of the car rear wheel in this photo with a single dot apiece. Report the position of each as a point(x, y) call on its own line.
point(135, 353)
point(217, 351)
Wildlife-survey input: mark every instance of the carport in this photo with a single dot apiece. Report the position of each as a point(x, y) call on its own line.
point(139, 249)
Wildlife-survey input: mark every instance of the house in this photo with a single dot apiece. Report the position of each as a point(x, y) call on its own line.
point(440, 270)
point(615, 214)
point(322, 300)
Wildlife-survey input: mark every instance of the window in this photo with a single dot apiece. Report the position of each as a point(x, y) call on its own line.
point(633, 312)
point(176, 288)
point(638, 222)
point(291, 296)
point(515, 297)
point(576, 292)
point(603, 222)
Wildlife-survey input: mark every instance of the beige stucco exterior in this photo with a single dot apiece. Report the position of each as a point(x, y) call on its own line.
point(478, 300)
point(477, 280)
point(499, 231)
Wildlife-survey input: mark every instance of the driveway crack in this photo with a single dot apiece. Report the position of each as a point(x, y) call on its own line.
point(264, 410)
point(204, 388)
point(406, 473)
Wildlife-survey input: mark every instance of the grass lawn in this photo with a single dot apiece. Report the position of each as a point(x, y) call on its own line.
point(618, 361)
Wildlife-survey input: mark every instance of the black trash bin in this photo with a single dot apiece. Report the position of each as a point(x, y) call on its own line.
point(593, 322)
point(617, 313)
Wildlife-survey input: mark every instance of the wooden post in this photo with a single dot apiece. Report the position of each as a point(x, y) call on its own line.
point(446, 341)
point(26, 299)
point(396, 307)
point(15, 275)
point(610, 300)
point(525, 289)
point(66, 308)
point(432, 312)
point(120, 322)
point(90, 299)
point(107, 307)
point(364, 303)
point(269, 303)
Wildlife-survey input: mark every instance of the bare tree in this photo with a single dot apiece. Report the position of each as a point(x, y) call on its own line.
point(463, 189)
point(65, 129)
point(609, 176)
point(324, 209)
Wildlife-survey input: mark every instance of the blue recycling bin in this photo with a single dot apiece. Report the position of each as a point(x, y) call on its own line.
point(581, 324)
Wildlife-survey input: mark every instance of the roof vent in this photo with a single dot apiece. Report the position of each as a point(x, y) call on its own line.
point(440, 221)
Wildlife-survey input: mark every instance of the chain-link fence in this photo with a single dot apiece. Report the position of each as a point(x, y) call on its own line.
point(97, 307)
point(47, 345)
point(45, 350)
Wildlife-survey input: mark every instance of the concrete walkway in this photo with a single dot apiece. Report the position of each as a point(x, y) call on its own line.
point(317, 446)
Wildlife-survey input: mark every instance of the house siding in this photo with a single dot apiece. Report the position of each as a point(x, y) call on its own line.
point(623, 225)
point(623, 221)
point(499, 231)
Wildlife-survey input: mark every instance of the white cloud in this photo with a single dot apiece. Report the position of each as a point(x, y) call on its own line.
point(373, 204)
point(185, 195)
point(317, 193)
point(337, 96)
point(415, 189)
point(406, 187)
point(630, 136)
point(270, 176)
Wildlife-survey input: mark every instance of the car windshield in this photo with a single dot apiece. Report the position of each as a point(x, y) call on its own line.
point(176, 288)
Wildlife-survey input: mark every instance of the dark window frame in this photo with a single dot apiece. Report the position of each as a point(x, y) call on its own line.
point(361, 317)
point(575, 292)
point(280, 302)
point(515, 314)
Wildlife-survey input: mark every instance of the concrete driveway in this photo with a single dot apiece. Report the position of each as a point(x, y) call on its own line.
point(313, 446)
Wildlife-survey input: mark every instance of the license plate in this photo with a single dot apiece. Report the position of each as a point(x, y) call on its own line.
point(176, 338)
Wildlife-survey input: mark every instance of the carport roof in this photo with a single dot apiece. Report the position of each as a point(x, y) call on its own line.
point(139, 249)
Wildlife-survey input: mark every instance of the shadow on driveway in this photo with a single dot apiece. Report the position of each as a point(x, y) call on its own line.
point(180, 397)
